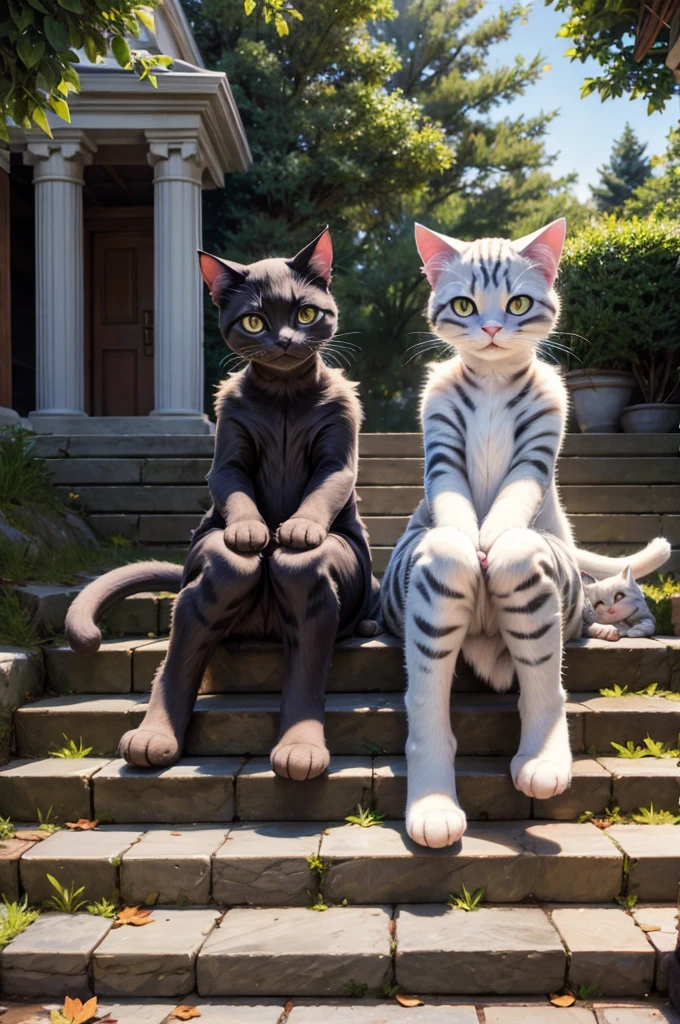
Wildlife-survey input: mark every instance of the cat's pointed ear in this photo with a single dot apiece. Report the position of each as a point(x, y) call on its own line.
point(587, 579)
point(220, 275)
point(436, 251)
point(315, 261)
point(627, 575)
point(544, 248)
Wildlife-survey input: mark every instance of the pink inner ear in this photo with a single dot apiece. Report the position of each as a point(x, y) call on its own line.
point(212, 270)
point(322, 259)
point(434, 251)
point(544, 247)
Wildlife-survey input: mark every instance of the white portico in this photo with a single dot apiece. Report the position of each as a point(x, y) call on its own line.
point(116, 218)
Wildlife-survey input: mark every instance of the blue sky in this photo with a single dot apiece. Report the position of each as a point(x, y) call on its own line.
point(584, 130)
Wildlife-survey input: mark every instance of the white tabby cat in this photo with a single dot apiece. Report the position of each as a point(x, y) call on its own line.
point(488, 564)
point(615, 607)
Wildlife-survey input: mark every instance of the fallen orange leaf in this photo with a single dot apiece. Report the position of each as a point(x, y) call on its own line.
point(288, 1007)
point(82, 824)
point(133, 915)
point(31, 835)
point(649, 927)
point(74, 1011)
point(408, 1000)
point(565, 1000)
point(185, 1012)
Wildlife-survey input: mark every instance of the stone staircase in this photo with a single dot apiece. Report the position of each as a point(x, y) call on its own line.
point(238, 865)
point(619, 489)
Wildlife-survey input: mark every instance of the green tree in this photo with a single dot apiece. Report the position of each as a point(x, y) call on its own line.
point(604, 30)
point(38, 40)
point(659, 195)
point(628, 168)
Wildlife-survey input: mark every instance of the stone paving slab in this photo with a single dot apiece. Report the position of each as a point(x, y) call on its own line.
point(21, 679)
point(590, 787)
point(85, 858)
point(263, 796)
point(496, 950)
point(642, 781)
point(266, 865)
point(195, 789)
point(654, 851)
point(52, 956)
point(157, 959)
point(107, 671)
point(513, 861)
point(638, 1015)
point(98, 721)
point(382, 1013)
point(485, 788)
point(297, 951)
point(664, 940)
point(606, 949)
point(64, 785)
point(538, 1015)
point(619, 719)
point(171, 866)
point(11, 852)
point(48, 603)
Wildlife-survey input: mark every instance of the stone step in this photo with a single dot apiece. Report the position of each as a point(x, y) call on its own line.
point(372, 471)
point(267, 864)
point(395, 500)
point(603, 531)
point(290, 952)
point(356, 723)
point(359, 665)
point(223, 789)
point(370, 445)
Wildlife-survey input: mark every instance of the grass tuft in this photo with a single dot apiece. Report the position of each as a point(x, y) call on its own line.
point(24, 477)
point(365, 817)
point(17, 624)
point(65, 899)
point(468, 901)
point(14, 919)
point(102, 908)
point(71, 749)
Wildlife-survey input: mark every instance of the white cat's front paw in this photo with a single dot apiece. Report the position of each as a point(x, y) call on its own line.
point(605, 632)
point(540, 777)
point(435, 821)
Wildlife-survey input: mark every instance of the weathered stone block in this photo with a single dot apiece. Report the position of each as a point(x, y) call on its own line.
point(665, 919)
point(630, 718)
point(84, 858)
point(637, 1015)
point(137, 615)
point(98, 721)
point(381, 1013)
point(52, 956)
point(606, 949)
point(171, 866)
point(296, 951)
point(654, 852)
point(642, 781)
point(62, 785)
point(538, 1015)
point(263, 796)
point(195, 789)
point(107, 671)
point(11, 852)
point(496, 950)
point(158, 959)
point(266, 865)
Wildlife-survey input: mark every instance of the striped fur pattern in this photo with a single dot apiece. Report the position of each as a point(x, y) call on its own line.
point(487, 566)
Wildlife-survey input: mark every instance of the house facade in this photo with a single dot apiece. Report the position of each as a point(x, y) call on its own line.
point(101, 301)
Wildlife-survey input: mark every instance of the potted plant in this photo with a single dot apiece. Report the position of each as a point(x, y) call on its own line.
point(621, 314)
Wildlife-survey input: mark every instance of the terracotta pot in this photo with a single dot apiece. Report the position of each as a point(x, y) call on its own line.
point(650, 418)
point(599, 397)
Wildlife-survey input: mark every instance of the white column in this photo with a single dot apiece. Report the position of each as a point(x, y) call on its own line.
point(60, 317)
point(178, 336)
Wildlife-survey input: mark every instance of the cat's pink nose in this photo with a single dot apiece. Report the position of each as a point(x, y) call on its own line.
point(612, 610)
point(491, 329)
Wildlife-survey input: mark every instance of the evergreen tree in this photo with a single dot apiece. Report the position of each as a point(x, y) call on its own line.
point(627, 169)
point(659, 195)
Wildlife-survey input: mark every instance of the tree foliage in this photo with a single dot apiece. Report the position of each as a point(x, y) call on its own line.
point(620, 290)
point(659, 195)
point(628, 168)
point(38, 44)
point(369, 114)
point(604, 30)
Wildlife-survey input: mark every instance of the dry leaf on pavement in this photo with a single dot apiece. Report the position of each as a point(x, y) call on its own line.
point(82, 824)
point(133, 915)
point(408, 1000)
point(74, 1011)
point(649, 927)
point(288, 1007)
point(564, 1000)
point(185, 1012)
point(30, 835)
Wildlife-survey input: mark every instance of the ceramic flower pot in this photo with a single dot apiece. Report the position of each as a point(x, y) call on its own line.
point(652, 418)
point(599, 397)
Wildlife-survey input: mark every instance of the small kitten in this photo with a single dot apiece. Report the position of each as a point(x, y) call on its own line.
point(615, 607)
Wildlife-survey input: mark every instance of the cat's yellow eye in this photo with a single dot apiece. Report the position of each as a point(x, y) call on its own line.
point(306, 315)
point(619, 597)
point(520, 304)
point(463, 307)
point(252, 323)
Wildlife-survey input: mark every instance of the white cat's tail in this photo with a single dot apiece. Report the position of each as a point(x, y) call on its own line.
point(647, 560)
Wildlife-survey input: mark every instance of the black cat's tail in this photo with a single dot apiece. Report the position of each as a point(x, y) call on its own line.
point(82, 632)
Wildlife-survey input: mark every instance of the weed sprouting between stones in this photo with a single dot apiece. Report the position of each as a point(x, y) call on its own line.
point(468, 901)
point(71, 749)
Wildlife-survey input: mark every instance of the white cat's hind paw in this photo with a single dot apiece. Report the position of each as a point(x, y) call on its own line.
point(435, 821)
point(540, 777)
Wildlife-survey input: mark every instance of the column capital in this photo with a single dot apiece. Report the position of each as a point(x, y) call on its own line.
point(177, 158)
point(60, 159)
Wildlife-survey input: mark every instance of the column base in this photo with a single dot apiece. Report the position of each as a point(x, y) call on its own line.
point(70, 425)
point(8, 417)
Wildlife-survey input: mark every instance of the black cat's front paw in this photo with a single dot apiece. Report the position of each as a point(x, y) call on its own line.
point(301, 534)
point(247, 537)
point(149, 747)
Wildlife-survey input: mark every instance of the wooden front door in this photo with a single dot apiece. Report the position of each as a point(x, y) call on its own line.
point(122, 323)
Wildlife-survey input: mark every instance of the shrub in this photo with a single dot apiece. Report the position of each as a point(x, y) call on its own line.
point(24, 476)
point(621, 299)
